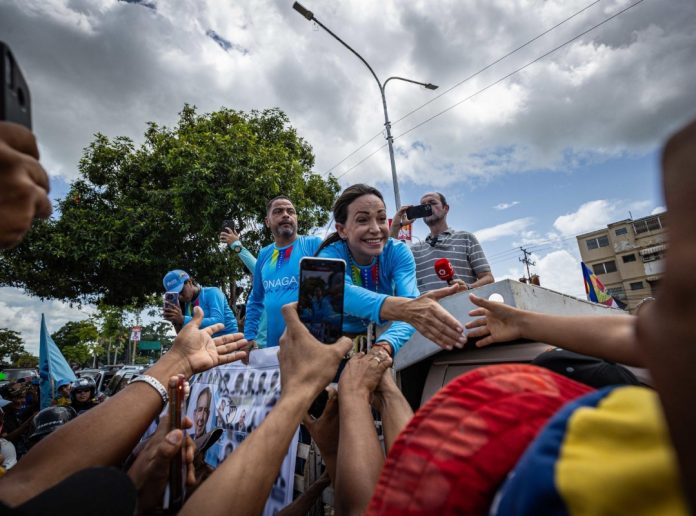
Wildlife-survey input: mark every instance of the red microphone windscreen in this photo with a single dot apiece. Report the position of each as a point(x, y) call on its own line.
point(444, 269)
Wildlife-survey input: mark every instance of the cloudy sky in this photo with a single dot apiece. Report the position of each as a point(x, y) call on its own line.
point(559, 138)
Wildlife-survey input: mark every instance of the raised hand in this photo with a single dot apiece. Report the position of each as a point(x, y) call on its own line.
point(199, 351)
point(23, 184)
point(307, 365)
point(498, 323)
point(434, 322)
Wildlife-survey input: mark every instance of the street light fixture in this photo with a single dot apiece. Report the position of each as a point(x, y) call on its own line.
point(382, 85)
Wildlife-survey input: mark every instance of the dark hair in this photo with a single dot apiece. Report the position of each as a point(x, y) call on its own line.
point(340, 208)
point(276, 198)
point(443, 201)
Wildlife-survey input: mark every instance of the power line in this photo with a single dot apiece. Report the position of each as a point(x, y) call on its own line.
point(363, 160)
point(546, 54)
point(328, 171)
point(498, 60)
point(527, 43)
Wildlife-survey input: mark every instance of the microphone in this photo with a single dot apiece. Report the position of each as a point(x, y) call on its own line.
point(444, 269)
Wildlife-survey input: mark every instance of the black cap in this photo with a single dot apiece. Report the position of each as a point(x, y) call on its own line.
point(591, 371)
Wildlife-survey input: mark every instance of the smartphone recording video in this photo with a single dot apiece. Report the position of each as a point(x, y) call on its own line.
point(418, 212)
point(227, 223)
point(171, 298)
point(320, 304)
point(177, 468)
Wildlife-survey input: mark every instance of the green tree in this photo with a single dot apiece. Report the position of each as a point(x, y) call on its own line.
point(135, 213)
point(11, 346)
point(26, 360)
point(73, 333)
point(78, 354)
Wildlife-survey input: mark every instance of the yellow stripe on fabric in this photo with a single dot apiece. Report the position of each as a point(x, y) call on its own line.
point(616, 458)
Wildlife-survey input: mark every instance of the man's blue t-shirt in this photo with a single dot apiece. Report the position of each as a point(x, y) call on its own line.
point(215, 308)
point(393, 273)
point(276, 283)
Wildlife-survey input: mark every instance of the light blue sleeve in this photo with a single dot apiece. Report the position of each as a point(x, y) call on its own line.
point(247, 258)
point(357, 301)
point(216, 302)
point(402, 269)
point(255, 305)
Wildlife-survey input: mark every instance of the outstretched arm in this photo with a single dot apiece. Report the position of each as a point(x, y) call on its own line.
point(358, 472)
point(103, 436)
point(306, 367)
point(393, 407)
point(611, 337)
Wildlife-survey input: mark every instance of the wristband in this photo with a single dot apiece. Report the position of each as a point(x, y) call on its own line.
point(155, 384)
point(236, 246)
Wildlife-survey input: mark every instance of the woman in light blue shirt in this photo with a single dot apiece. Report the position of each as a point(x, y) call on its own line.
point(380, 282)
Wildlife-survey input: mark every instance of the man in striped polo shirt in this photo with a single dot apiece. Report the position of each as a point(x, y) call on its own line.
point(461, 248)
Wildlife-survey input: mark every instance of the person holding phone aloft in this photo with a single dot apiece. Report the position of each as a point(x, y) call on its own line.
point(461, 248)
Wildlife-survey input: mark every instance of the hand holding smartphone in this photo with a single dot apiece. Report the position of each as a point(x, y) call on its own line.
point(15, 101)
point(419, 212)
point(171, 298)
point(177, 468)
point(320, 305)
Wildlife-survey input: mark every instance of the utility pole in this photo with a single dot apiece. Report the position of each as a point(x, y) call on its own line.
point(527, 262)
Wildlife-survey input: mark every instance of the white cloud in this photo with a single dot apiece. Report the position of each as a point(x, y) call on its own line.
point(505, 205)
point(617, 91)
point(589, 217)
point(22, 313)
point(558, 270)
point(512, 228)
point(594, 215)
point(658, 209)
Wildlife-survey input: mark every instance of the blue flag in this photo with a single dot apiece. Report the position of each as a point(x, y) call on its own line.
point(52, 366)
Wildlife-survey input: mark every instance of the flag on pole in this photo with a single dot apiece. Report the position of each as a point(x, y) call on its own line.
point(52, 366)
point(595, 289)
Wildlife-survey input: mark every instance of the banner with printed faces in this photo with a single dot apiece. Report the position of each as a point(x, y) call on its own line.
point(237, 398)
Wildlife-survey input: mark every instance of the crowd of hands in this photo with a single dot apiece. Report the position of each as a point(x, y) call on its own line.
point(660, 338)
point(104, 437)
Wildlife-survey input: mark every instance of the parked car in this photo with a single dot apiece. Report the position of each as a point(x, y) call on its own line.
point(122, 378)
point(12, 374)
point(101, 378)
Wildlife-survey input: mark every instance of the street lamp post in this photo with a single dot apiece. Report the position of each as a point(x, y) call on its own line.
point(382, 85)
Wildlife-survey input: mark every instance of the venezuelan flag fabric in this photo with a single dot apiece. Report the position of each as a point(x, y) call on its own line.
point(595, 289)
point(605, 453)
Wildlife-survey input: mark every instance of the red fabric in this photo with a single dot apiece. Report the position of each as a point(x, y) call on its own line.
point(459, 447)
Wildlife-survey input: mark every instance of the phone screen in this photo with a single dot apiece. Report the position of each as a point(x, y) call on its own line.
point(320, 305)
point(418, 212)
point(15, 101)
point(171, 298)
point(177, 468)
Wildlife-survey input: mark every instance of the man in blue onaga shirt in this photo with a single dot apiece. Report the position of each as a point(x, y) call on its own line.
point(211, 300)
point(277, 272)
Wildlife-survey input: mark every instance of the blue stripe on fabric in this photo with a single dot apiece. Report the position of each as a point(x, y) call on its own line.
point(530, 488)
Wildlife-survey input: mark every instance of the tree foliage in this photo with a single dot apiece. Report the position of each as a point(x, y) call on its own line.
point(11, 346)
point(74, 333)
point(135, 213)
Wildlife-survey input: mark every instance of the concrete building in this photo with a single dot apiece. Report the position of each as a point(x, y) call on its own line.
point(627, 256)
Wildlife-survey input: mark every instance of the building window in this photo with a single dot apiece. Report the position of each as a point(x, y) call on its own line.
point(621, 231)
point(628, 258)
point(648, 224)
point(638, 285)
point(596, 243)
point(617, 293)
point(604, 267)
